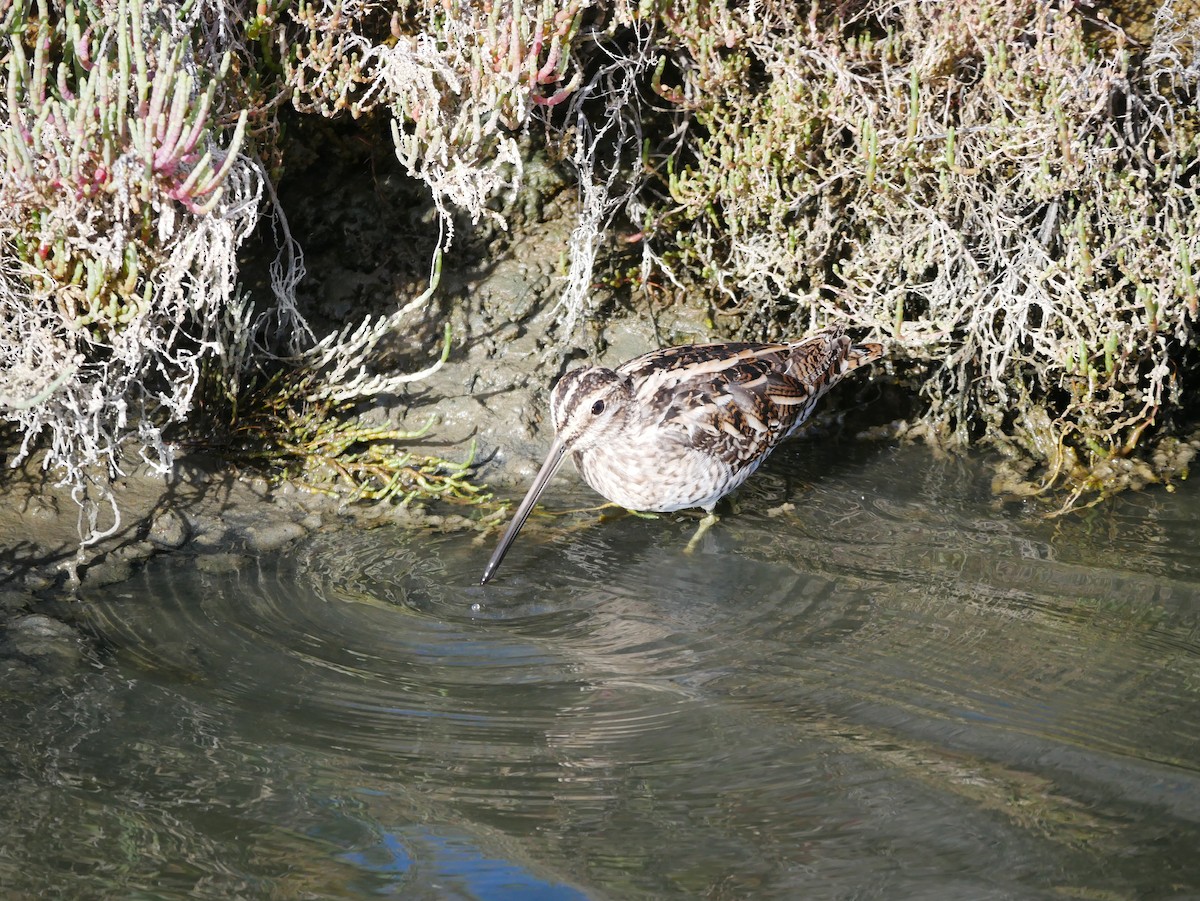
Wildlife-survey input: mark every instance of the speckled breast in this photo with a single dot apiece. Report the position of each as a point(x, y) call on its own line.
point(660, 483)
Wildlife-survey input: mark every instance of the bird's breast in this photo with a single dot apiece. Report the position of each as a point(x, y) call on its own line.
point(657, 476)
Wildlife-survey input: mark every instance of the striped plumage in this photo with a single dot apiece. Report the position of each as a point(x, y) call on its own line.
point(684, 426)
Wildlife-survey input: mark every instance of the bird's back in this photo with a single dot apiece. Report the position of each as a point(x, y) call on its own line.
point(736, 401)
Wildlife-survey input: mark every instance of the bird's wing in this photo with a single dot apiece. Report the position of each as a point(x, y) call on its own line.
point(735, 401)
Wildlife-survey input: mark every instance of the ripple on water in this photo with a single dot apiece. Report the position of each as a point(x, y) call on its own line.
point(870, 674)
point(373, 646)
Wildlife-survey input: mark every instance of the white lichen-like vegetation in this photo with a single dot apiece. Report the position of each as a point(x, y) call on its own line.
point(121, 209)
point(1004, 190)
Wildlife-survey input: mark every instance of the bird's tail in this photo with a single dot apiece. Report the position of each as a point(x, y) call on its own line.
point(861, 355)
point(824, 357)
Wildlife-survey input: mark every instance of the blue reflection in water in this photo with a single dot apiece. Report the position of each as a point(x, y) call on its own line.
point(451, 862)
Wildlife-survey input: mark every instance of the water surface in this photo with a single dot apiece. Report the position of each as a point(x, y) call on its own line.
point(872, 680)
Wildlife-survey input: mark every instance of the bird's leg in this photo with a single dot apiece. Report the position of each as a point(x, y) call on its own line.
point(595, 508)
point(619, 512)
point(608, 512)
point(705, 524)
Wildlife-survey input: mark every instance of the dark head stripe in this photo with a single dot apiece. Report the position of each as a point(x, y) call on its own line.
point(580, 386)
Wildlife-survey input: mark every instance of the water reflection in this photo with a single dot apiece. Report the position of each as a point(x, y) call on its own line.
point(872, 680)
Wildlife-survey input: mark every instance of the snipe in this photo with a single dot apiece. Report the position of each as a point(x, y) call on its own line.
point(684, 426)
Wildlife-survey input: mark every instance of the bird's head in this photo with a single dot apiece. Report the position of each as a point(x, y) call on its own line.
point(589, 405)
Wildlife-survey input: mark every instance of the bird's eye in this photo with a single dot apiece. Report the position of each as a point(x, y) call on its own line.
point(598, 408)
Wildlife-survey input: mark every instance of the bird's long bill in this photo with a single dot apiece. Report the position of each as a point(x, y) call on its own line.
point(554, 460)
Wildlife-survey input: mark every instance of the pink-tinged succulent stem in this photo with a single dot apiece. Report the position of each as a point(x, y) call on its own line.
point(539, 38)
point(514, 38)
point(535, 46)
point(63, 90)
point(193, 206)
point(558, 97)
point(166, 158)
point(198, 125)
point(83, 49)
point(201, 169)
point(549, 72)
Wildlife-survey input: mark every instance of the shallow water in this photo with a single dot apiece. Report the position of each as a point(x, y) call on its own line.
point(892, 688)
